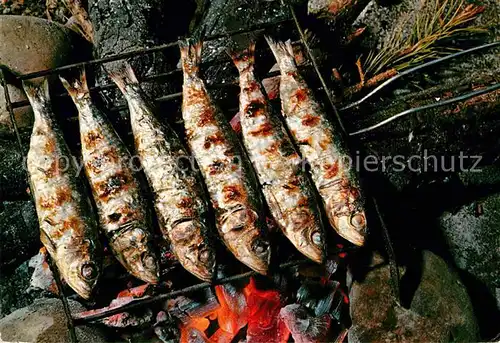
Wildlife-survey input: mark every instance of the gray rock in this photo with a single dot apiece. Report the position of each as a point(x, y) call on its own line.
point(13, 288)
point(440, 309)
point(442, 296)
point(13, 177)
point(19, 233)
point(44, 321)
point(29, 44)
point(474, 237)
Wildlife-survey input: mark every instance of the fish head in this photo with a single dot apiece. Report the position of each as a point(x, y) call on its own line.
point(352, 226)
point(346, 214)
point(307, 236)
point(244, 236)
point(133, 247)
point(80, 265)
point(193, 251)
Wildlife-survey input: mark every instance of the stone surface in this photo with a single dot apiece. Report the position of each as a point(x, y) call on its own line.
point(19, 233)
point(29, 44)
point(13, 288)
point(474, 237)
point(440, 308)
point(44, 321)
point(13, 177)
point(23, 115)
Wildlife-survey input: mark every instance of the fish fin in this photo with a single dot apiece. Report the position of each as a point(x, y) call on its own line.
point(190, 56)
point(77, 88)
point(283, 52)
point(124, 76)
point(244, 60)
point(37, 93)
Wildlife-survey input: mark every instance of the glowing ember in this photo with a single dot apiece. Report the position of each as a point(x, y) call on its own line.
point(263, 307)
point(265, 316)
point(233, 314)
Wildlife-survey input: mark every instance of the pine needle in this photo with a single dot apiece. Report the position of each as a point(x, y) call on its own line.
point(414, 41)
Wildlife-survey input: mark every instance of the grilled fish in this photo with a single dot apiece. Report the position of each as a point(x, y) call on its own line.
point(323, 148)
point(179, 198)
point(285, 184)
point(122, 209)
point(227, 172)
point(68, 226)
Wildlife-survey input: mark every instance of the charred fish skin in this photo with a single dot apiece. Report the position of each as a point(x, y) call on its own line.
point(68, 226)
point(286, 187)
point(122, 208)
point(323, 148)
point(227, 173)
point(179, 197)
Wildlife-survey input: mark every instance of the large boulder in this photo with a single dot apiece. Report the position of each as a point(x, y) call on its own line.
point(439, 311)
point(29, 44)
point(472, 232)
point(45, 321)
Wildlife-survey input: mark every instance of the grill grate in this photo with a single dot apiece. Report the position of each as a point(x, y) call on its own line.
point(80, 320)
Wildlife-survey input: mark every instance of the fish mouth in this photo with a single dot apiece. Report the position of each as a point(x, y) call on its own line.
point(257, 262)
point(316, 255)
point(259, 267)
point(205, 272)
point(206, 275)
point(133, 249)
point(305, 241)
point(83, 290)
point(355, 234)
point(82, 284)
point(148, 277)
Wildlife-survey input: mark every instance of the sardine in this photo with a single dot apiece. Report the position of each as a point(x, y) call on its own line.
point(179, 198)
point(122, 208)
point(285, 184)
point(323, 147)
point(68, 225)
point(225, 168)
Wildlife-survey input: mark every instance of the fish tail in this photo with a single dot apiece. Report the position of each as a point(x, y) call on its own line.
point(77, 88)
point(283, 52)
point(244, 60)
point(39, 98)
point(190, 56)
point(37, 93)
point(124, 77)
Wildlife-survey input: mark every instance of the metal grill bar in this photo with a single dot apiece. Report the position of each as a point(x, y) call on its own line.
point(164, 98)
point(143, 302)
point(316, 68)
point(463, 97)
point(419, 67)
point(152, 300)
point(10, 106)
point(137, 52)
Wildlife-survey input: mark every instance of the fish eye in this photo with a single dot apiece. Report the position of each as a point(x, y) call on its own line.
point(358, 220)
point(89, 271)
point(317, 238)
point(260, 246)
point(149, 261)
